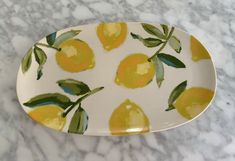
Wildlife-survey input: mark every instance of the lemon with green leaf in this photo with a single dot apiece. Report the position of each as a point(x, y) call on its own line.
point(51, 109)
point(193, 101)
point(75, 56)
point(189, 102)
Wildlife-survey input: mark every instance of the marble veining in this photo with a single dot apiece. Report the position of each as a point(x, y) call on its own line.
point(211, 137)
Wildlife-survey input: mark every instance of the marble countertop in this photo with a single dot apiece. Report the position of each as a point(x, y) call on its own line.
point(211, 137)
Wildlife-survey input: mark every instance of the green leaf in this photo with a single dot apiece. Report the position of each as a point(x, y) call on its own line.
point(51, 38)
point(170, 107)
point(49, 98)
point(174, 42)
point(165, 29)
point(159, 69)
point(26, 61)
point(73, 87)
point(40, 55)
point(175, 94)
point(171, 60)
point(65, 36)
point(39, 72)
point(152, 42)
point(79, 122)
point(148, 42)
point(41, 58)
point(153, 30)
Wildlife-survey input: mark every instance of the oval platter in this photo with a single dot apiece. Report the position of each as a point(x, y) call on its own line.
point(116, 79)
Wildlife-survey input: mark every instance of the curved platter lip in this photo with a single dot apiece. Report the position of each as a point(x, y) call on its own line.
point(116, 78)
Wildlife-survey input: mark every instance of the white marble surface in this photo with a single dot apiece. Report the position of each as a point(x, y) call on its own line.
point(211, 137)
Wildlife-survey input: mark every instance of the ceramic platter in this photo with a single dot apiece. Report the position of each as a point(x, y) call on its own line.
point(116, 79)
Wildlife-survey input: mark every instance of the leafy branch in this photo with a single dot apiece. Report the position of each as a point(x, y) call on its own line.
point(81, 99)
point(161, 37)
point(79, 121)
point(163, 45)
point(48, 46)
point(53, 42)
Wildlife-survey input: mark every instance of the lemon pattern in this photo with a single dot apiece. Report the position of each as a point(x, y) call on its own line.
point(193, 101)
point(189, 102)
point(75, 56)
point(72, 55)
point(199, 52)
point(112, 35)
point(135, 71)
point(153, 65)
point(128, 118)
point(49, 115)
point(162, 49)
point(51, 109)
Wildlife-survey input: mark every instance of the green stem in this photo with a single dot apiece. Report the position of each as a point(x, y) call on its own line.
point(64, 114)
point(170, 107)
point(163, 45)
point(48, 46)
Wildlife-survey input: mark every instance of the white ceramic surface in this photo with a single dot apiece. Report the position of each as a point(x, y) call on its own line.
point(99, 107)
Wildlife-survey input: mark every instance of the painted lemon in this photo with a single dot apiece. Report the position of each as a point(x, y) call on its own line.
point(49, 115)
point(112, 35)
point(199, 52)
point(75, 56)
point(128, 118)
point(193, 101)
point(135, 71)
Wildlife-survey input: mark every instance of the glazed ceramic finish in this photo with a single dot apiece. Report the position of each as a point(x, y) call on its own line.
point(210, 137)
point(171, 56)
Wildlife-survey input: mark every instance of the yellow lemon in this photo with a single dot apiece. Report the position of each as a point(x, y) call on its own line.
point(128, 118)
point(75, 56)
point(198, 50)
point(193, 101)
point(112, 35)
point(135, 71)
point(49, 115)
